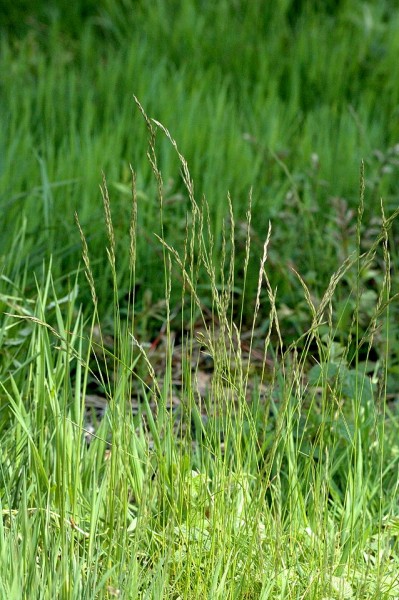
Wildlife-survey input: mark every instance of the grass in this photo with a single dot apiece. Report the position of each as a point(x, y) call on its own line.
point(282, 488)
point(210, 410)
point(249, 109)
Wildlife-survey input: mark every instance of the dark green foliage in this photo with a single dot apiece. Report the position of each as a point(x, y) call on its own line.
point(284, 97)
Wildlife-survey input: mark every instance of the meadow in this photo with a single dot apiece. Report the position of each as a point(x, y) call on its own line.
point(199, 341)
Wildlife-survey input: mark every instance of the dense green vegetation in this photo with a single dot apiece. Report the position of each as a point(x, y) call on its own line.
point(240, 292)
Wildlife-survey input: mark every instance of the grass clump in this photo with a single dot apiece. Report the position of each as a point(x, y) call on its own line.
point(212, 410)
point(217, 460)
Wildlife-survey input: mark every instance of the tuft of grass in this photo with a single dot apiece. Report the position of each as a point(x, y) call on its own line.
point(241, 466)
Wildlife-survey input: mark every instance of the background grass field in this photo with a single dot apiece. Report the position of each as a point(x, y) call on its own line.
point(261, 460)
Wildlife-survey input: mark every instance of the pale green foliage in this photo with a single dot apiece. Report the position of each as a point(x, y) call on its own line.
point(283, 491)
